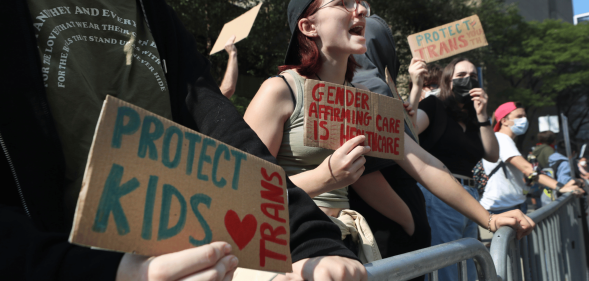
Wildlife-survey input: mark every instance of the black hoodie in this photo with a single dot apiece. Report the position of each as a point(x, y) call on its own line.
point(390, 236)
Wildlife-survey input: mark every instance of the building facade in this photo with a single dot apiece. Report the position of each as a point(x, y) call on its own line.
point(539, 10)
point(581, 18)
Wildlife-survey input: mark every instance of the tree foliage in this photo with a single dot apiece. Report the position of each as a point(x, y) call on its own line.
point(548, 59)
point(539, 64)
point(259, 54)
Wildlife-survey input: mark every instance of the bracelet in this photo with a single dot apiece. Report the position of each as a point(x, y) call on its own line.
point(489, 224)
point(329, 165)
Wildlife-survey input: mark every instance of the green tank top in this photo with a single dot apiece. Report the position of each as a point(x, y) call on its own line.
point(295, 158)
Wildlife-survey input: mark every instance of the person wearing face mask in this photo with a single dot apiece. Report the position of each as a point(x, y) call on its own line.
point(321, 49)
point(431, 81)
point(389, 235)
point(508, 176)
point(454, 127)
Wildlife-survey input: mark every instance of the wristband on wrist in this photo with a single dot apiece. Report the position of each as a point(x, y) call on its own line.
point(531, 178)
point(484, 124)
point(558, 186)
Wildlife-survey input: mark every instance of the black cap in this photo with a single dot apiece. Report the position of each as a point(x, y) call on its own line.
point(295, 9)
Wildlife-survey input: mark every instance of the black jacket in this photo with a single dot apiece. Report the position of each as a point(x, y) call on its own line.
point(391, 238)
point(33, 226)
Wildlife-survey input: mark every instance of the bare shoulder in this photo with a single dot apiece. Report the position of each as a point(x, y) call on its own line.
point(273, 99)
point(274, 89)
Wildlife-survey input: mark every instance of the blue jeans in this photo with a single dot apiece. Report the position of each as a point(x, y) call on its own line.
point(449, 225)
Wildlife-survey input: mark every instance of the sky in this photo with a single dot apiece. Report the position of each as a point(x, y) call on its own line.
point(580, 6)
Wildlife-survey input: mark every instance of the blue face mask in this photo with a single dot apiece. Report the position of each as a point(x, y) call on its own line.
point(520, 126)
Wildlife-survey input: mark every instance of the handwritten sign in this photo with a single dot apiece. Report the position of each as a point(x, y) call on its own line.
point(153, 187)
point(240, 27)
point(448, 40)
point(396, 95)
point(336, 113)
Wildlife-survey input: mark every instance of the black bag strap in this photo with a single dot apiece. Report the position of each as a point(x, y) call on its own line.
point(556, 165)
point(502, 166)
point(294, 100)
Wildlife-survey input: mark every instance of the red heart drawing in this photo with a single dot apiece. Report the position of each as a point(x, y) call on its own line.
point(242, 232)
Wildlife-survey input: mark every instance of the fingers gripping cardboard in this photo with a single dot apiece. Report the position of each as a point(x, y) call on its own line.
point(336, 113)
point(448, 39)
point(153, 187)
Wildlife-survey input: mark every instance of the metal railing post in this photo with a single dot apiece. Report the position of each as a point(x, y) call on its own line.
point(554, 251)
point(424, 261)
point(580, 241)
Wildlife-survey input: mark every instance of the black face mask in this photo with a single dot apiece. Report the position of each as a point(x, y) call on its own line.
point(462, 86)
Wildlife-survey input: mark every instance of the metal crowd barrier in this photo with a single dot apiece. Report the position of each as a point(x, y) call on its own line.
point(429, 260)
point(554, 251)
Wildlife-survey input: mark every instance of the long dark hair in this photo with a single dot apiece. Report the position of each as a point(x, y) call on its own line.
point(467, 114)
point(310, 59)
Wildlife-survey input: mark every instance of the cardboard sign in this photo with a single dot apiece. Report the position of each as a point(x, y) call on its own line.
point(396, 95)
point(240, 27)
point(336, 113)
point(448, 40)
point(153, 187)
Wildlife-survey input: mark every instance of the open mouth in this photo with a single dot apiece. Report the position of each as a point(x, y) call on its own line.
point(357, 29)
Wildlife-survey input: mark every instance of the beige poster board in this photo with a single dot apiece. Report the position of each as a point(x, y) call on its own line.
point(448, 40)
point(240, 27)
point(396, 95)
point(153, 187)
point(336, 113)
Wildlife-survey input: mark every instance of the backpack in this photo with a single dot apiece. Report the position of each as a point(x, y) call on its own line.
point(555, 168)
point(481, 178)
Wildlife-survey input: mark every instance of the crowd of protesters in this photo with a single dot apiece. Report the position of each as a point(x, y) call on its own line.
point(345, 208)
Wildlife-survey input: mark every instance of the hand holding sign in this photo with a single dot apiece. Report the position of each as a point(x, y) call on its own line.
point(345, 165)
point(335, 114)
point(230, 45)
point(409, 109)
point(239, 27)
point(417, 70)
point(448, 39)
point(153, 187)
point(204, 262)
